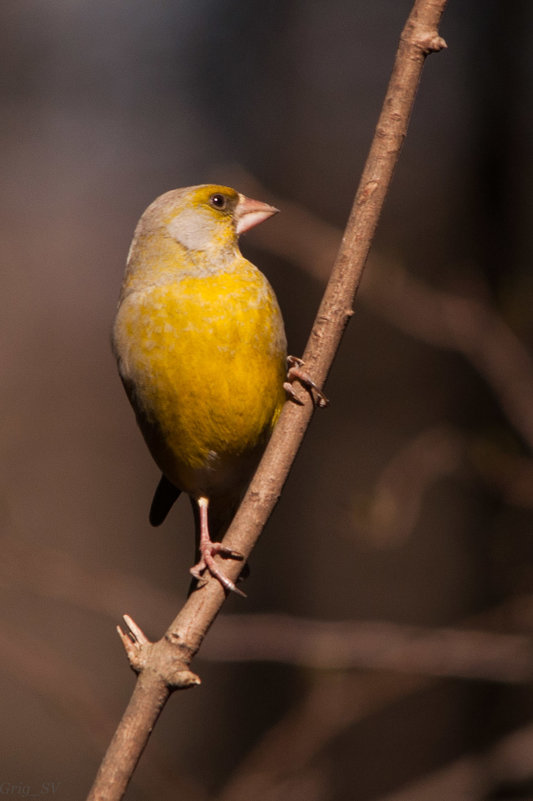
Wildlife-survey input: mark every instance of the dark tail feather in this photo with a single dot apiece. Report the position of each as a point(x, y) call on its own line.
point(164, 497)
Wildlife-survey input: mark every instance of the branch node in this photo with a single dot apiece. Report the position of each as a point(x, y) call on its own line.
point(174, 638)
point(368, 190)
point(141, 654)
point(430, 42)
point(171, 662)
point(181, 679)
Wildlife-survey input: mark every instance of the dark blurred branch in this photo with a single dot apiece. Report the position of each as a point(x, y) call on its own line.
point(472, 649)
point(288, 761)
point(390, 511)
point(479, 776)
point(164, 666)
point(63, 684)
point(465, 653)
point(70, 689)
point(443, 319)
point(339, 696)
point(467, 325)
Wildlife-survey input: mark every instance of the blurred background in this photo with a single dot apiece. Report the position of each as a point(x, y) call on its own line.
point(384, 650)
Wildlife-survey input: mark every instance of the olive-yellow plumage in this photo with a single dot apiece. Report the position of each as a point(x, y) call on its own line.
point(201, 350)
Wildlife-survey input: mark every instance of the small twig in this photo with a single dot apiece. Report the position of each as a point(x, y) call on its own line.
point(164, 666)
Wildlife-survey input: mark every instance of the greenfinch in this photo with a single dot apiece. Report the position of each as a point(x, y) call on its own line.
point(201, 351)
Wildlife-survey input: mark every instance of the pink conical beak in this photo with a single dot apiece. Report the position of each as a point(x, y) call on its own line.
point(250, 212)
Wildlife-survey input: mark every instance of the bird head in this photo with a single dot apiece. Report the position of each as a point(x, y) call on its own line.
point(207, 216)
point(190, 229)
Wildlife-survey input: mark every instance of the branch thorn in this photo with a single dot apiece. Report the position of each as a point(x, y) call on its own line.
point(134, 641)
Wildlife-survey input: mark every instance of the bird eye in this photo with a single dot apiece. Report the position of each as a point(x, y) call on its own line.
point(218, 201)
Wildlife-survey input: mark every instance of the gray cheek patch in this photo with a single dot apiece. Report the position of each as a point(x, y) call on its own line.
point(192, 228)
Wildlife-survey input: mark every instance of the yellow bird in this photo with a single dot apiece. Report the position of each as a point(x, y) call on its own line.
point(201, 350)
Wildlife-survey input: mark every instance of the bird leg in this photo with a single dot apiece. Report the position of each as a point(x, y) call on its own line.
point(208, 550)
point(296, 373)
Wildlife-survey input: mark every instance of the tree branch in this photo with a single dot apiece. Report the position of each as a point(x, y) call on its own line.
point(164, 666)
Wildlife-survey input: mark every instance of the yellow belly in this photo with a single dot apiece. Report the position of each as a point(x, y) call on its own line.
point(203, 361)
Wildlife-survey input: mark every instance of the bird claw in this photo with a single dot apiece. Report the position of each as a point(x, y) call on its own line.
point(207, 563)
point(227, 553)
point(296, 373)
